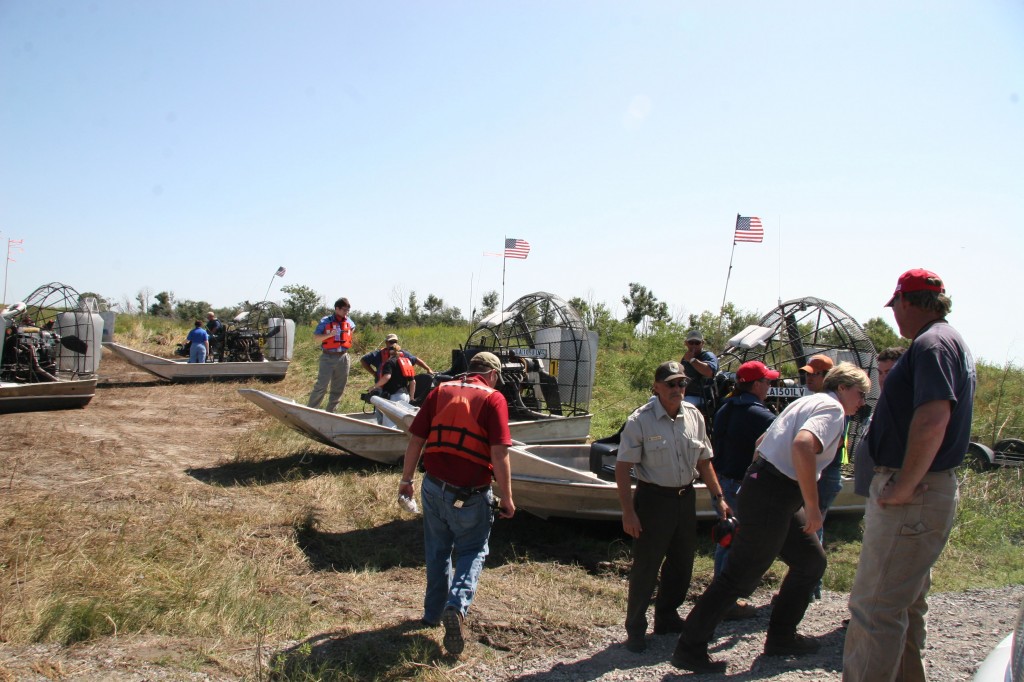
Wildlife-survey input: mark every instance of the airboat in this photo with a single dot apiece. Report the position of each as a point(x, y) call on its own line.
point(578, 481)
point(547, 357)
point(50, 352)
point(257, 344)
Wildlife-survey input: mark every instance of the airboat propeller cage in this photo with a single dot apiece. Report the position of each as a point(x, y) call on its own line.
point(794, 331)
point(547, 355)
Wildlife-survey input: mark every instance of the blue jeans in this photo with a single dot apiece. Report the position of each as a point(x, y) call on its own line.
point(197, 352)
point(829, 485)
point(447, 529)
point(731, 491)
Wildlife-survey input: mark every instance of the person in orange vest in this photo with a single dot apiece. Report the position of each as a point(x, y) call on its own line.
point(373, 362)
point(462, 431)
point(396, 378)
point(334, 334)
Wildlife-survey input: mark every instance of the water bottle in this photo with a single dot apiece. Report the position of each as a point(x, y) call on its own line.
point(408, 504)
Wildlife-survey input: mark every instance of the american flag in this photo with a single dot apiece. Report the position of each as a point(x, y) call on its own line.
point(748, 230)
point(516, 248)
point(280, 272)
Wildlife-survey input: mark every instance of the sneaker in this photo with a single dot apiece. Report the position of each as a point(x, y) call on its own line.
point(792, 645)
point(694, 657)
point(741, 610)
point(454, 640)
point(636, 644)
point(668, 625)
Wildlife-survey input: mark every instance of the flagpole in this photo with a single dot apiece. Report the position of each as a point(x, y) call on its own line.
point(16, 243)
point(272, 282)
point(728, 274)
point(504, 259)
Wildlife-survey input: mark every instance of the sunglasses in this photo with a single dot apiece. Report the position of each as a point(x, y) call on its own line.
point(694, 343)
point(678, 383)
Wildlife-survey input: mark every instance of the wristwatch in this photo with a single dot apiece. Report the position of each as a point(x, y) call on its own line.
point(715, 498)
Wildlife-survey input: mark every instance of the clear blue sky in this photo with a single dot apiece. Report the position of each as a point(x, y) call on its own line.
point(375, 149)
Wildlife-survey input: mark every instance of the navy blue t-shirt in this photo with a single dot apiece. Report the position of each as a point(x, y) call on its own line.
point(937, 366)
point(739, 422)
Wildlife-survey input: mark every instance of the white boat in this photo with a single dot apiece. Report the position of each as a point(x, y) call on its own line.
point(49, 355)
point(358, 433)
point(182, 370)
point(54, 395)
point(557, 480)
point(578, 481)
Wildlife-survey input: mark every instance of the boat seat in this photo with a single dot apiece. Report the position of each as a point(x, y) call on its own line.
point(602, 456)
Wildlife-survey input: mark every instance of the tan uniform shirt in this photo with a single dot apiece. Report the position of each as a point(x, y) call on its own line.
point(664, 451)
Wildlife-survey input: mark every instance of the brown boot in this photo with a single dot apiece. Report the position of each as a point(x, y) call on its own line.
point(454, 639)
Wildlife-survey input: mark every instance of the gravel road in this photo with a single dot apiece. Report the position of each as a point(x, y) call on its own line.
point(963, 628)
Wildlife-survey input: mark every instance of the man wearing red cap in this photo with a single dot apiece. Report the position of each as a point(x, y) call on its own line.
point(738, 424)
point(918, 436)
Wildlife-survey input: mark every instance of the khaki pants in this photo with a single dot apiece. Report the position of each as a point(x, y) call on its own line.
point(887, 603)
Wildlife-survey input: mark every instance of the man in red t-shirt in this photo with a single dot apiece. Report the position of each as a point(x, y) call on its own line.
point(462, 431)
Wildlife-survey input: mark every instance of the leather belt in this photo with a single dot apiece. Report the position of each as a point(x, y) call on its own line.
point(667, 490)
point(761, 465)
point(457, 488)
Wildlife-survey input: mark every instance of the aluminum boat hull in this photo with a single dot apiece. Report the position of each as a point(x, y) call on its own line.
point(182, 370)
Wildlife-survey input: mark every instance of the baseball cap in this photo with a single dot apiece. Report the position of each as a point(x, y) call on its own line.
point(917, 279)
point(754, 370)
point(484, 362)
point(818, 363)
point(694, 335)
point(391, 337)
point(669, 370)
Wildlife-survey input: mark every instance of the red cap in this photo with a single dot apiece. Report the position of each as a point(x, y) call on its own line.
point(917, 280)
point(754, 370)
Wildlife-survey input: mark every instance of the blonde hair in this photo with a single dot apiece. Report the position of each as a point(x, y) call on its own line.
point(846, 374)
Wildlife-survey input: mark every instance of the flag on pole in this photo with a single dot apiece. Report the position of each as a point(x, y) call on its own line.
point(14, 244)
point(748, 230)
point(516, 248)
point(280, 271)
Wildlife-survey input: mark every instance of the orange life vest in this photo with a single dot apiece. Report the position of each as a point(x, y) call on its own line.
point(404, 364)
point(455, 429)
point(408, 371)
point(332, 343)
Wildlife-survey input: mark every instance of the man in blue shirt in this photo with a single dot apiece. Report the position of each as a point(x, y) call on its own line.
point(738, 424)
point(700, 367)
point(918, 436)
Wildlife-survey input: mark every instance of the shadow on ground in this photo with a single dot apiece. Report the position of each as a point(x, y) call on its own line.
point(403, 649)
point(302, 465)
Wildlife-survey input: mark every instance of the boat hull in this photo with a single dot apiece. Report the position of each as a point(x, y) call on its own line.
point(556, 481)
point(359, 434)
point(54, 395)
point(183, 371)
point(356, 433)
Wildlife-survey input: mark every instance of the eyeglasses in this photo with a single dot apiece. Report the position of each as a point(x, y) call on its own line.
point(694, 343)
point(678, 383)
point(392, 343)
